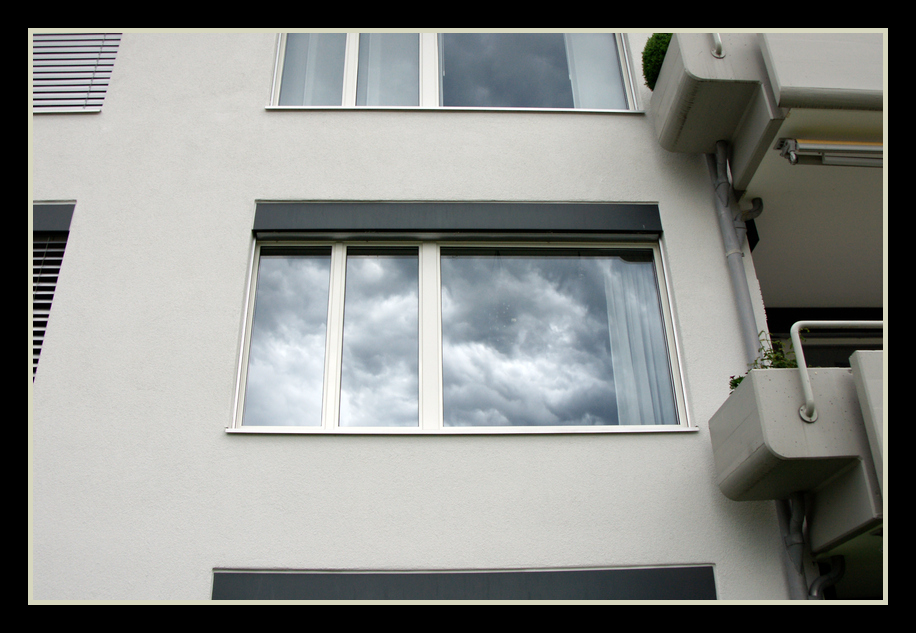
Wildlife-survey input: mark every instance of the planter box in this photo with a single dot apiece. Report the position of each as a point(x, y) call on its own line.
point(700, 99)
point(764, 450)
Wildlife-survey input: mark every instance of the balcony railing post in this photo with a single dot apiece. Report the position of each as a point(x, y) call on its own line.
point(808, 411)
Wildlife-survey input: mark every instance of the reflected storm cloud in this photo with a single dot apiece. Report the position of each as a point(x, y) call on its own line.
point(286, 357)
point(380, 371)
point(496, 70)
point(538, 339)
point(525, 342)
point(530, 336)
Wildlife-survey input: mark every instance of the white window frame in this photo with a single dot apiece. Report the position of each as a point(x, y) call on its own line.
point(431, 420)
point(429, 79)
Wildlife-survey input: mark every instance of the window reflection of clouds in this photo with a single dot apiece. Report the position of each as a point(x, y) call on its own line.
point(286, 355)
point(380, 370)
point(523, 70)
point(525, 342)
point(560, 339)
point(530, 337)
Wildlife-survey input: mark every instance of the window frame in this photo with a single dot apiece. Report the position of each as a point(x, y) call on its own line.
point(430, 396)
point(429, 87)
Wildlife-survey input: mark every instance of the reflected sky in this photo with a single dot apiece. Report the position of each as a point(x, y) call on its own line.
point(380, 370)
point(286, 354)
point(530, 337)
point(527, 339)
point(520, 70)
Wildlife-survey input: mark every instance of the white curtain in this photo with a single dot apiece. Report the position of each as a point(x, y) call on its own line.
point(389, 69)
point(639, 354)
point(594, 70)
point(313, 69)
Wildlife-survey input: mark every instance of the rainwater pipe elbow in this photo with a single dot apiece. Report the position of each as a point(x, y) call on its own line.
point(837, 568)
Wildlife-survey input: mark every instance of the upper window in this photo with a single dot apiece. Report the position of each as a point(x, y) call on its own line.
point(70, 72)
point(439, 336)
point(490, 70)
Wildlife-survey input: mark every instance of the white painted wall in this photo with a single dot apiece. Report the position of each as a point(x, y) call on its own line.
point(138, 492)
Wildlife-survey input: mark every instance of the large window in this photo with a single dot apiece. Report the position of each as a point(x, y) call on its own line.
point(459, 70)
point(441, 336)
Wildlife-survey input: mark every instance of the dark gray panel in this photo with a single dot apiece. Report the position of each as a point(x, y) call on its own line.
point(52, 217)
point(457, 216)
point(659, 583)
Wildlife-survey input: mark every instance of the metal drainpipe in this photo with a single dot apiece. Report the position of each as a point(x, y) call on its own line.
point(725, 208)
point(733, 249)
point(837, 568)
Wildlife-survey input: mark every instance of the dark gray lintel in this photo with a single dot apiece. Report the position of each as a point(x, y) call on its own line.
point(446, 217)
point(658, 583)
point(52, 217)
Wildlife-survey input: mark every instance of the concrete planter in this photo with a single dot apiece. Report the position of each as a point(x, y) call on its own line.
point(764, 450)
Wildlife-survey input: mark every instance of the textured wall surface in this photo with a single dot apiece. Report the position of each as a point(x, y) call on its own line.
point(138, 492)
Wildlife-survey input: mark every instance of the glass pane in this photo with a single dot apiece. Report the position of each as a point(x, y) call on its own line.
point(553, 338)
point(286, 354)
point(389, 69)
point(380, 367)
point(518, 70)
point(595, 72)
point(531, 70)
point(313, 69)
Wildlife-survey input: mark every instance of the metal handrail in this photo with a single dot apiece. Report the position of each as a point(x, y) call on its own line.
point(717, 52)
point(808, 411)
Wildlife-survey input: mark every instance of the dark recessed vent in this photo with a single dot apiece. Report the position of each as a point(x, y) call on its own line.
point(47, 255)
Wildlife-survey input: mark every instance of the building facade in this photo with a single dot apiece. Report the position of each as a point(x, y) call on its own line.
point(341, 316)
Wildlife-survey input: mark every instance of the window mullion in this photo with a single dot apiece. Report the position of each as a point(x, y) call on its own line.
point(430, 339)
point(429, 70)
point(247, 322)
point(334, 345)
point(351, 68)
point(278, 70)
point(626, 68)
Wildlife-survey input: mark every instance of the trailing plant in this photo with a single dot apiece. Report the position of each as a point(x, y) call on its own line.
point(773, 355)
point(652, 57)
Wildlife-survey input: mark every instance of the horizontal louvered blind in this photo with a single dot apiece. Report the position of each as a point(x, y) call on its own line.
point(47, 255)
point(70, 72)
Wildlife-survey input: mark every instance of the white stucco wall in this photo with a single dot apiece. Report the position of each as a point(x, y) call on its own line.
point(138, 492)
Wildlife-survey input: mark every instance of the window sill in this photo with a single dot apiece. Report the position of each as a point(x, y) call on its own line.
point(450, 109)
point(302, 430)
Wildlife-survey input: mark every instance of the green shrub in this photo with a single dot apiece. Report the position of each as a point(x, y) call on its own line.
point(772, 355)
point(652, 57)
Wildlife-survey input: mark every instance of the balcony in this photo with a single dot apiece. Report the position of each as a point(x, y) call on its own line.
point(782, 102)
point(779, 433)
point(824, 220)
